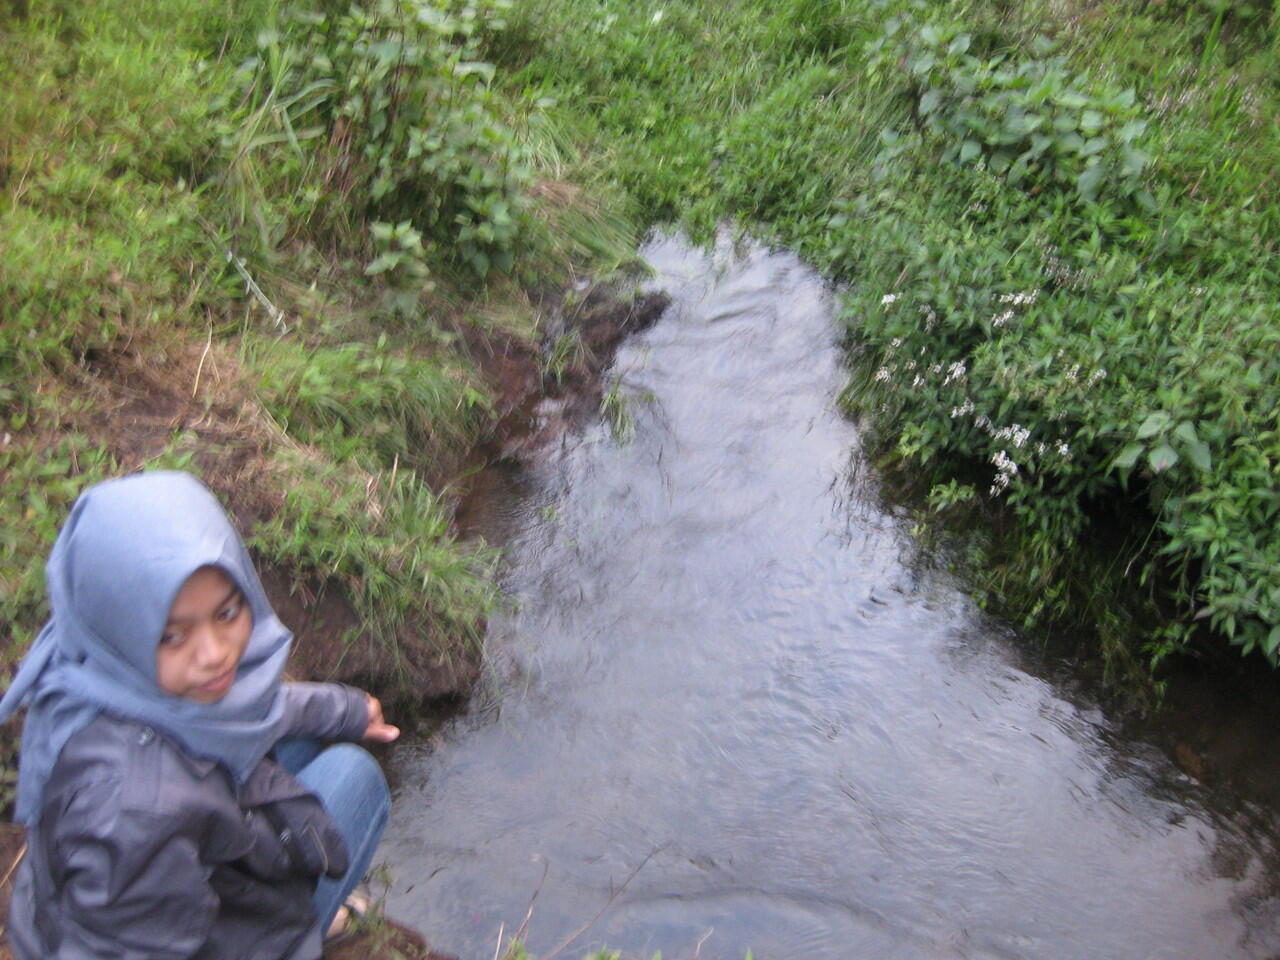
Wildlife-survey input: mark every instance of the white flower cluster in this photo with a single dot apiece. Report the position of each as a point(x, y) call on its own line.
point(888, 298)
point(955, 372)
point(882, 375)
point(1017, 434)
point(930, 317)
point(1001, 319)
point(1099, 374)
point(1020, 299)
point(1006, 469)
point(1057, 269)
point(962, 410)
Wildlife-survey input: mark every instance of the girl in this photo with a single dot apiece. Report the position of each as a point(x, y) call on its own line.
point(176, 799)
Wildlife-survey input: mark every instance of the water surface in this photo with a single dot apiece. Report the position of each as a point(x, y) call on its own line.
point(731, 712)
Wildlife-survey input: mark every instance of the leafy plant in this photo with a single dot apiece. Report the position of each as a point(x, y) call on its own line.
point(415, 137)
point(1033, 122)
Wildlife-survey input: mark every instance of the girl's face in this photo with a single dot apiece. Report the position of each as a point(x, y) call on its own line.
point(206, 634)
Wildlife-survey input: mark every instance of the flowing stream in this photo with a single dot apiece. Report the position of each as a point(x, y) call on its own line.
point(730, 712)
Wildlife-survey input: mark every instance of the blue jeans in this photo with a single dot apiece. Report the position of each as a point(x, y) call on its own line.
point(351, 786)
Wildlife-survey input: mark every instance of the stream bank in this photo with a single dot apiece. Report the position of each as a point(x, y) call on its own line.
point(142, 404)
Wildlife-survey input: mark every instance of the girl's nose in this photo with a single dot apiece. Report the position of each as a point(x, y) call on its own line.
point(212, 648)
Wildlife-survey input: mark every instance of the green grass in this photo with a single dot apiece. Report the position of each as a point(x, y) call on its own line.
point(294, 223)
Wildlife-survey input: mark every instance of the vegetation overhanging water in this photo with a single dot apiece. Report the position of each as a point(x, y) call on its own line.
point(733, 709)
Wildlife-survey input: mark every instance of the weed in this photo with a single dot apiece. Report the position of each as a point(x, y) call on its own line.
point(614, 409)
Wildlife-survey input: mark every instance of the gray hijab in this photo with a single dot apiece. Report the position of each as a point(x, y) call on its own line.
point(116, 567)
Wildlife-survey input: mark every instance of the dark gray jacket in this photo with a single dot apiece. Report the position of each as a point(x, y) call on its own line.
point(143, 852)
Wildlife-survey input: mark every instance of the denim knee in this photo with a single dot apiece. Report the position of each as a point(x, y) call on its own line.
point(355, 764)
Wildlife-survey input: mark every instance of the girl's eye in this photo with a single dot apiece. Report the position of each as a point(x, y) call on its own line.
point(170, 639)
point(230, 611)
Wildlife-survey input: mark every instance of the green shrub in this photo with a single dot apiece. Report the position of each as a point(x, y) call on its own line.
point(403, 125)
point(997, 330)
point(1033, 122)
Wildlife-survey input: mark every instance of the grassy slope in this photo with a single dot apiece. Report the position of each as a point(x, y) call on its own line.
point(225, 246)
point(1136, 394)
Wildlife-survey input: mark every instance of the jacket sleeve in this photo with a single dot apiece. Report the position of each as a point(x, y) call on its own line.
point(326, 711)
point(133, 886)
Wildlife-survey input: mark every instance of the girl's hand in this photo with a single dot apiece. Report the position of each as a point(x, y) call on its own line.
point(378, 729)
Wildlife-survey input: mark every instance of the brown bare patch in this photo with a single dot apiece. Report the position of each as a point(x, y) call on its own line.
point(388, 941)
point(537, 404)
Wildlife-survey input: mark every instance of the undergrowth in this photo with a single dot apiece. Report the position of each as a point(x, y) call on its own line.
point(1054, 223)
point(265, 243)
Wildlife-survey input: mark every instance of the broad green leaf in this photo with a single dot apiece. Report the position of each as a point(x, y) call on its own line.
point(383, 263)
point(477, 67)
point(1186, 432)
point(1071, 142)
point(969, 151)
point(1087, 182)
point(1158, 422)
point(1198, 454)
point(1131, 131)
point(1129, 456)
point(1093, 145)
point(1162, 458)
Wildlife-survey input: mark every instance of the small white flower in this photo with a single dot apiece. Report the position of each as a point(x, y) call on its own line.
point(1064, 450)
point(1000, 319)
point(917, 382)
point(955, 372)
point(1099, 374)
point(657, 17)
point(1004, 464)
point(888, 298)
point(882, 375)
point(895, 342)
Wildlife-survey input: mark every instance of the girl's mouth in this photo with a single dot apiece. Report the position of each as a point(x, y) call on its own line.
point(219, 684)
